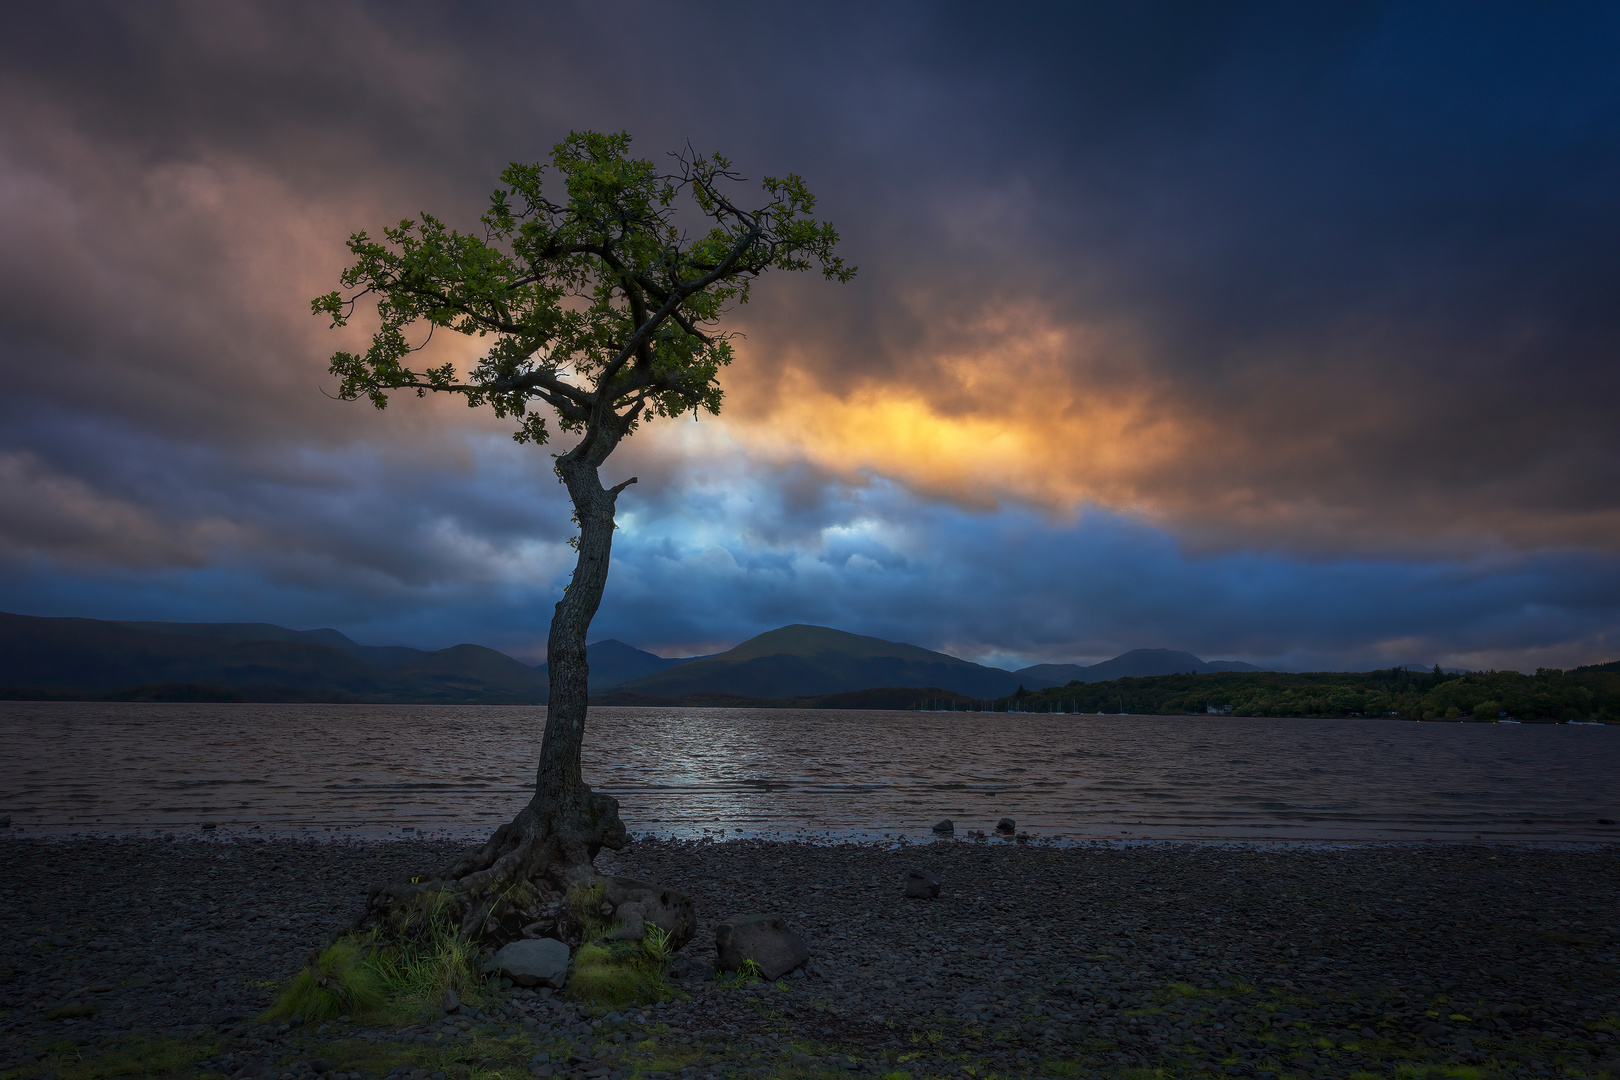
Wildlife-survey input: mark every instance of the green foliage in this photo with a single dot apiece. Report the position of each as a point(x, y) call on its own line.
point(1550, 694)
point(592, 295)
point(419, 967)
point(401, 973)
point(342, 979)
point(619, 973)
point(134, 1057)
point(748, 973)
point(658, 944)
point(584, 904)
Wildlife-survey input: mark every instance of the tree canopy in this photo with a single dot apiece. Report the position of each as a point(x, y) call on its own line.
point(601, 306)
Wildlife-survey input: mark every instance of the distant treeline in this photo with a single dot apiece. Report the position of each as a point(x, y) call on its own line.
point(879, 697)
point(1550, 694)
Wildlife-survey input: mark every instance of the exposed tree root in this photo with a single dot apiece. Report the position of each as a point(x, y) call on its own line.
point(517, 885)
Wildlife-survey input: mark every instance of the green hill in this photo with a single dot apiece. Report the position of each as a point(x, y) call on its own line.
point(809, 661)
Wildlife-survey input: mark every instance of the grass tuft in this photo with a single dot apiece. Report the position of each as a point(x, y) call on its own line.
point(400, 975)
point(658, 944)
point(341, 980)
point(66, 1012)
point(748, 973)
point(584, 904)
point(427, 958)
point(621, 973)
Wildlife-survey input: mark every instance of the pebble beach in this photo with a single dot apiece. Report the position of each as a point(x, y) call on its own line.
point(1035, 960)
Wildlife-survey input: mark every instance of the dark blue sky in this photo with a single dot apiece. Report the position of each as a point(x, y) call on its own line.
point(1278, 332)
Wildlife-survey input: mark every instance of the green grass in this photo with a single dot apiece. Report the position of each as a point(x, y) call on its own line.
point(418, 970)
point(399, 976)
point(621, 973)
point(584, 904)
point(934, 1049)
point(616, 973)
point(136, 1057)
point(748, 973)
point(343, 980)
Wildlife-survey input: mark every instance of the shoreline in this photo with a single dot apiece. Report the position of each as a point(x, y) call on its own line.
point(920, 839)
point(1107, 958)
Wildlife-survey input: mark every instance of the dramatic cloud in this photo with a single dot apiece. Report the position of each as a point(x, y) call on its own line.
point(1278, 332)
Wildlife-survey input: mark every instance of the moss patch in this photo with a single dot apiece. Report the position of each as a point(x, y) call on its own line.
point(617, 974)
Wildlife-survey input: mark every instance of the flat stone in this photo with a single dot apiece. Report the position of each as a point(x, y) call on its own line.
point(532, 962)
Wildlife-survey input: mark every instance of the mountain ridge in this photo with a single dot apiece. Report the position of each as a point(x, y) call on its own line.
point(1137, 663)
point(803, 660)
point(149, 660)
point(72, 657)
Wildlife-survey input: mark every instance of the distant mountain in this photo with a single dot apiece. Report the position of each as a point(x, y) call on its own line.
point(613, 662)
point(808, 661)
point(78, 658)
point(1138, 663)
point(375, 655)
point(795, 665)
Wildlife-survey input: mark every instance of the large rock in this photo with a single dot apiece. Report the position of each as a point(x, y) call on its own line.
point(666, 908)
point(632, 919)
point(946, 826)
point(764, 939)
point(532, 962)
point(922, 885)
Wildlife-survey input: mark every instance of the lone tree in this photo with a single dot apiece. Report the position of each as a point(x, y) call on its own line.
point(602, 311)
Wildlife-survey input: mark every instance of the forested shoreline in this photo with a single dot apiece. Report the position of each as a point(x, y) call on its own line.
point(1551, 694)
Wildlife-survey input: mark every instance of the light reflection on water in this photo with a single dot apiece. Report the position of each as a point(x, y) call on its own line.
point(461, 770)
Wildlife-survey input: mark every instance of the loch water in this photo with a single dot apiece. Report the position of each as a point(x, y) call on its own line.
point(380, 770)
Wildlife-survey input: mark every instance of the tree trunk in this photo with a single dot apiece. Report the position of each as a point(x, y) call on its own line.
point(551, 844)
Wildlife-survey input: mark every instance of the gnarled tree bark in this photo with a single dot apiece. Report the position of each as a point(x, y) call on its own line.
point(519, 876)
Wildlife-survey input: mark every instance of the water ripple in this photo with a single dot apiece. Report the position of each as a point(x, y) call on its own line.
point(83, 767)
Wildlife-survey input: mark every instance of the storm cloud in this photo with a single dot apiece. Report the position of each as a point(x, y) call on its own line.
point(1275, 332)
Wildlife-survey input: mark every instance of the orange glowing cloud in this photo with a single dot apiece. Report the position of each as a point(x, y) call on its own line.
point(1017, 404)
point(1020, 409)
